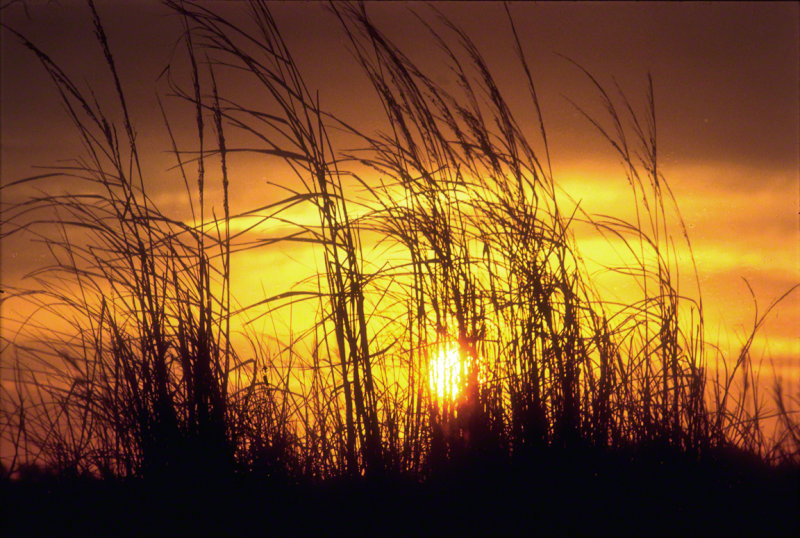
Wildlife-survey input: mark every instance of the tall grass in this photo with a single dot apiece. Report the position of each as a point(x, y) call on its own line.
point(147, 379)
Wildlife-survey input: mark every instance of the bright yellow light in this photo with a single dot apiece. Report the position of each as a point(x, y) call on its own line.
point(445, 373)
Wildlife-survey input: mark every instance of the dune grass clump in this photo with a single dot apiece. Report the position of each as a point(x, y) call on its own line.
point(147, 379)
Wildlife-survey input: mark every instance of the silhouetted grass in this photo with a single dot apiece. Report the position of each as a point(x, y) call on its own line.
point(568, 402)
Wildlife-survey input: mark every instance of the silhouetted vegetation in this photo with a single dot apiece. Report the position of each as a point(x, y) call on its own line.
point(566, 403)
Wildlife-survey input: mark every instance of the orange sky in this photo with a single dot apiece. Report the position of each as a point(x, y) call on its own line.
point(726, 85)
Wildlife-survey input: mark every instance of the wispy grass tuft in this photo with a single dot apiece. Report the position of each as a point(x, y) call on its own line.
point(146, 378)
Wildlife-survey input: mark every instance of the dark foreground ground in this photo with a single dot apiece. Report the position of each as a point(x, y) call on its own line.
point(549, 493)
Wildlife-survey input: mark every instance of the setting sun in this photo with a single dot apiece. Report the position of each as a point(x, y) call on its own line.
point(446, 373)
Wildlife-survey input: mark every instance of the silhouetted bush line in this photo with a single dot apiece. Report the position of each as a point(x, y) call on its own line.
point(563, 394)
point(621, 492)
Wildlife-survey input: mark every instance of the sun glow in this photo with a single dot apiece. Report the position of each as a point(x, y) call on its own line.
point(446, 372)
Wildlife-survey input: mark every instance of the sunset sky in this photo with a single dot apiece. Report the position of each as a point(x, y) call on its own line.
point(726, 88)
